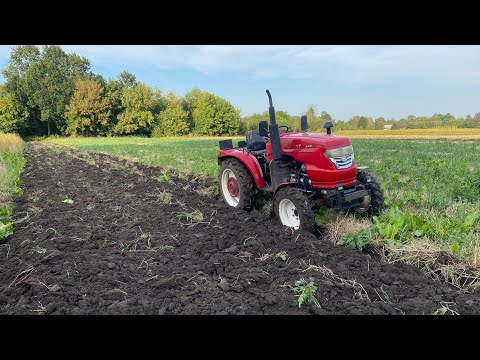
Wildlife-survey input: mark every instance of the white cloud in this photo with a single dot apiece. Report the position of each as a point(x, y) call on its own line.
point(345, 63)
point(351, 63)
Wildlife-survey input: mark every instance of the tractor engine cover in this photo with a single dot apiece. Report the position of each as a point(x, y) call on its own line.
point(309, 149)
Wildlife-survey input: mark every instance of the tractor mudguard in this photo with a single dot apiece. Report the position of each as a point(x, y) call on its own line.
point(246, 159)
point(284, 185)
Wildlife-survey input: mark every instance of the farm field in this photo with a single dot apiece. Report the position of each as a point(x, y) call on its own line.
point(187, 156)
point(431, 186)
point(95, 234)
point(439, 133)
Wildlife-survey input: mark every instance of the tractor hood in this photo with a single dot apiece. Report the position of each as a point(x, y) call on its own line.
point(309, 149)
point(297, 141)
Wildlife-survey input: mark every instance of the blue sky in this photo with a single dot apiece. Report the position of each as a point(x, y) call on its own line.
point(345, 80)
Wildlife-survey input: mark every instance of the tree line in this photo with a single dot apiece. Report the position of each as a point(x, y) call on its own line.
point(316, 121)
point(48, 91)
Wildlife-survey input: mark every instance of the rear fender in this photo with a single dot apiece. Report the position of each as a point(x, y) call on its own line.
point(246, 159)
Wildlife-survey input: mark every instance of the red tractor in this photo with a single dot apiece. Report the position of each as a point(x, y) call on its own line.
point(302, 171)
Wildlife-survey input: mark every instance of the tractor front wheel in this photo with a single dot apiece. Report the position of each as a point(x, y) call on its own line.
point(294, 209)
point(236, 184)
point(377, 200)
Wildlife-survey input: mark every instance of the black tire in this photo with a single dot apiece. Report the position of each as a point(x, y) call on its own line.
point(246, 184)
point(377, 203)
point(303, 205)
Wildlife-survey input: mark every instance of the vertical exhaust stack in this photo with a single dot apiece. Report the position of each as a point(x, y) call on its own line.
point(274, 134)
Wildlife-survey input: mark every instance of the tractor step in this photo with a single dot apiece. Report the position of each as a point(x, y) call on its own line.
point(268, 188)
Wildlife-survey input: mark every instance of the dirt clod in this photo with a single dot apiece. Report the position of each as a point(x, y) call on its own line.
point(223, 284)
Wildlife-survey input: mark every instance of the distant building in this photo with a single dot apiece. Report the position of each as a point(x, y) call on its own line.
point(387, 127)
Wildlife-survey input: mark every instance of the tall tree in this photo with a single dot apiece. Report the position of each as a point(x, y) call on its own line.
point(313, 122)
point(11, 115)
point(380, 123)
point(172, 121)
point(21, 58)
point(325, 116)
point(137, 117)
point(54, 75)
point(88, 111)
point(362, 122)
point(213, 115)
point(115, 88)
point(43, 81)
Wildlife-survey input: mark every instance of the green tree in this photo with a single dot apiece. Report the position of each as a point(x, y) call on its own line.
point(251, 122)
point(191, 98)
point(21, 58)
point(324, 116)
point(472, 122)
point(314, 123)
point(42, 81)
point(380, 123)
point(341, 125)
point(115, 88)
point(353, 122)
point(53, 76)
point(173, 120)
point(362, 123)
point(137, 117)
point(11, 115)
point(213, 115)
point(88, 111)
point(284, 118)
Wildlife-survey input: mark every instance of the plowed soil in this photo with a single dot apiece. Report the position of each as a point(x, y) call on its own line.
point(127, 245)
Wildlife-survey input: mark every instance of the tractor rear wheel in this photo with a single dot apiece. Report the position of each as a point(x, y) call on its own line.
point(236, 184)
point(377, 200)
point(294, 209)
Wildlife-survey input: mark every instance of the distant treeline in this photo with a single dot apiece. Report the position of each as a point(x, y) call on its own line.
point(316, 122)
point(48, 91)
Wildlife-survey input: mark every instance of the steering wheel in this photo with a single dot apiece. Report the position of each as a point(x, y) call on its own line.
point(283, 126)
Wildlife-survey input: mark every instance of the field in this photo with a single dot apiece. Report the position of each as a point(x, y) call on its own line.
point(431, 186)
point(192, 156)
point(95, 234)
point(438, 133)
point(142, 233)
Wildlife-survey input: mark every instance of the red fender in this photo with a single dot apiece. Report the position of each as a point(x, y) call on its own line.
point(246, 159)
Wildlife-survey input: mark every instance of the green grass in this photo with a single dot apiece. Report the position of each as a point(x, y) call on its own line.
point(432, 186)
point(433, 189)
point(11, 165)
point(186, 156)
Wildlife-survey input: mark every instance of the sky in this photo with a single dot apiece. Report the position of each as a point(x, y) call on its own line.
point(391, 81)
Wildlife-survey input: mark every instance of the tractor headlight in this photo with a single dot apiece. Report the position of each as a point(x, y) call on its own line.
point(340, 152)
point(342, 157)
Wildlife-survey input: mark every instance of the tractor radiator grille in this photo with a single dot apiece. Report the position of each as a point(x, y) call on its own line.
point(343, 162)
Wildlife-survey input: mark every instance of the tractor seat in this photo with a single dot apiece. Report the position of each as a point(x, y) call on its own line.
point(256, 142)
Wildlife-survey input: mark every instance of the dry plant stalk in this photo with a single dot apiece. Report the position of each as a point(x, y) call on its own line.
point(425, 256)
point(343, 225)
point(358, 288)
point(10, 142)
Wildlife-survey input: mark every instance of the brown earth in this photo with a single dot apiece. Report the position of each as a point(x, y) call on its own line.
point(90, 257)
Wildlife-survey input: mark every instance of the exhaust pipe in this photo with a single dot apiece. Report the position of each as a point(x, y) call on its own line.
point(274, 133)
